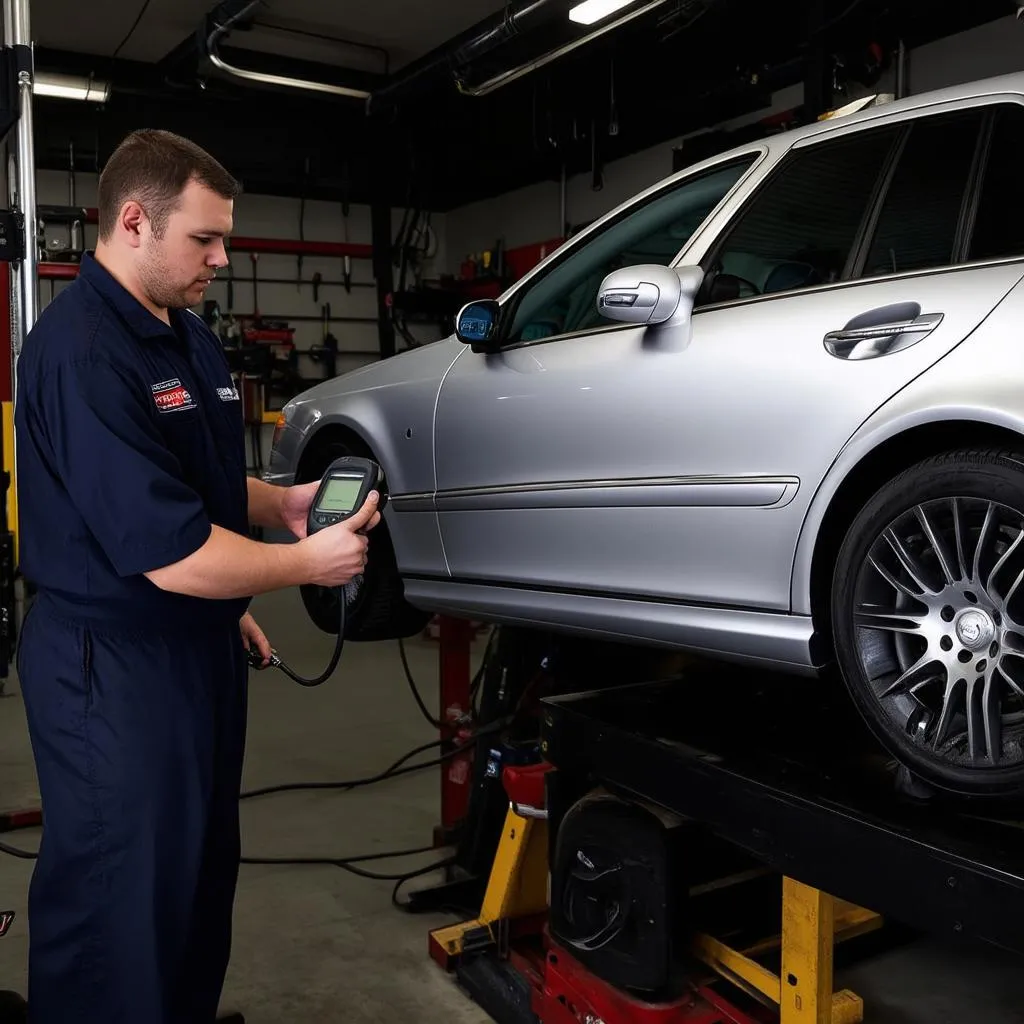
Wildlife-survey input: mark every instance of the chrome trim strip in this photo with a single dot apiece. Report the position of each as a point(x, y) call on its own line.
point(682, 491)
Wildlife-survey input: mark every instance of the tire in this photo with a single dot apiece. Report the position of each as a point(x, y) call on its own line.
point(929, 630)
point(380, 611)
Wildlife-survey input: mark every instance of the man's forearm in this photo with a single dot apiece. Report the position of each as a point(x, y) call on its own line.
point(265, 504)
point(229, 565)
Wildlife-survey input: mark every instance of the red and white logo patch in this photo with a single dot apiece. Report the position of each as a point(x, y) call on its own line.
point(172, 396)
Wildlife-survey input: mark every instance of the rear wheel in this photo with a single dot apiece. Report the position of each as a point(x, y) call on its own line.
point(928, 617)
point(379, 610)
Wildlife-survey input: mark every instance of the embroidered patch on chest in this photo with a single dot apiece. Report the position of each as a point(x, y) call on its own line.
point(172, 396)
point(228, 394)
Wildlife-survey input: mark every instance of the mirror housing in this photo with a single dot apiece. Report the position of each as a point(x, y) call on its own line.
point(649, 294)
point(477, 324)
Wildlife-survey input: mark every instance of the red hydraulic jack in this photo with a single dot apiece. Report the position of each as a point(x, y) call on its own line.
point(510, 936)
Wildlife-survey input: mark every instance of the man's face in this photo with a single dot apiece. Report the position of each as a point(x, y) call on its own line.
point(176, 268)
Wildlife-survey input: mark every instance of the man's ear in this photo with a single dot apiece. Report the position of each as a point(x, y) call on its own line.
point(132, 222)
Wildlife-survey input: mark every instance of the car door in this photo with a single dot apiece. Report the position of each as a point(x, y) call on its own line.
point(677, 464)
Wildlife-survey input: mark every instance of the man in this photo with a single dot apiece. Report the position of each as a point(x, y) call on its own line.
point(134, 508)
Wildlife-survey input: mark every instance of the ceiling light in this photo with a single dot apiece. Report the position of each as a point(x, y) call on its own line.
point(71, 87)
point(591, 11)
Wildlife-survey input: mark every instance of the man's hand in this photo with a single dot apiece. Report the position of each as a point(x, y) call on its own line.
point(337, 553)
point(253, 636)
point(295, 504)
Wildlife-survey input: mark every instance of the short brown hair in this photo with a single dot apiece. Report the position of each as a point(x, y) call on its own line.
point(153, 167)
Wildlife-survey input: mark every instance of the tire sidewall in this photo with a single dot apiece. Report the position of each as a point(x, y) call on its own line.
point(988, 476)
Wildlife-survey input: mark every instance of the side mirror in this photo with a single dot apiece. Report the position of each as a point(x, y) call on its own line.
point(477, 323)
point(649, 294)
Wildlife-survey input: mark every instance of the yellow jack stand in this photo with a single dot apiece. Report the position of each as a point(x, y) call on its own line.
point(517, 889)
point(811, 923)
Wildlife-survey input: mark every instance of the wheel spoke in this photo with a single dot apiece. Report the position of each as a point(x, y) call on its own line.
point(982, 535)
point(1007, 554)
point(992, 716)
point(894, 622)
point(907, 560)
point(1010, 681)
point(949, 701)
point(958, 532)
point(917, 675)
point(940, 554)
point(1013, 588)
point(901, 588)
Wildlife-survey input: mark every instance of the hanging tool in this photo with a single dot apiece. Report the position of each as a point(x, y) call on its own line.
point(302, 224)
point(255, 258)
point(327, 351)
point(346, 260)
point(317, 280)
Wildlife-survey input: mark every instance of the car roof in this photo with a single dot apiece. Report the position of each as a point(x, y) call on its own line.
point(999, 85)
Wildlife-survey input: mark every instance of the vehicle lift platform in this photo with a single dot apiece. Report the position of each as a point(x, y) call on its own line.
point(771, 840)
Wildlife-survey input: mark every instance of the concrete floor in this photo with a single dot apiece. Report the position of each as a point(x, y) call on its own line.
point(318, 944)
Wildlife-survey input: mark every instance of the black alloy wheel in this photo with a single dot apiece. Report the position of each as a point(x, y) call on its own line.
point(928, 618)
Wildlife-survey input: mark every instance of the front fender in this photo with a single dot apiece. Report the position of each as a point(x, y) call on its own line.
point(388, 405)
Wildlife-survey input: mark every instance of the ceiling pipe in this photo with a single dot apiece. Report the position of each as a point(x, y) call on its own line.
point(469, 45)
point(506, 77)
point(228, 16)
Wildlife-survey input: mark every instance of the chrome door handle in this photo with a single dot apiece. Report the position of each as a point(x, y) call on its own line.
point(880, 339)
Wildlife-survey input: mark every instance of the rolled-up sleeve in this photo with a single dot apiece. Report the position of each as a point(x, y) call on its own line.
point(111, 458)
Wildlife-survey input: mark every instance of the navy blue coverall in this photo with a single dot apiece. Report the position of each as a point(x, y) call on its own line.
point(130, 443)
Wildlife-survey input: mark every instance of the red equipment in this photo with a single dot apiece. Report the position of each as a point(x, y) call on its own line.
point(571, 995)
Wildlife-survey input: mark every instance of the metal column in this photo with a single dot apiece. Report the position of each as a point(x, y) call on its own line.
point(22, 179)
point(19, 283)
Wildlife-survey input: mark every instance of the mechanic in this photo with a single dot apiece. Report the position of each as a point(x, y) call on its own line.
point(135, 512)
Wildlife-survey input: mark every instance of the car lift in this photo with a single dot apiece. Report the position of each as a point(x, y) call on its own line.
point(778, 770)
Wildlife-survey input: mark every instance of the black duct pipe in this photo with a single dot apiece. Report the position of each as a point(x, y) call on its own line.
point(476, 41)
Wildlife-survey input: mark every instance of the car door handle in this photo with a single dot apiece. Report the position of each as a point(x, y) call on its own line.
point(874, 340)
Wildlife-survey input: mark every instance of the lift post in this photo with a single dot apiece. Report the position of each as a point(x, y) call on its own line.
point(18, 286)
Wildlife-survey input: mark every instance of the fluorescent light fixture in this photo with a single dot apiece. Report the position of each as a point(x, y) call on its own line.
point(70, 87)
point(591, 11)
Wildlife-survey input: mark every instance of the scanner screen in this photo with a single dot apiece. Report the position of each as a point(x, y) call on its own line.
point(341, 495)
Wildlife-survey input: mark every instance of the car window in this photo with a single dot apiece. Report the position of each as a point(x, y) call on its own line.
point(799, 229)
point(564, 300)
point(999, 222)
point(918, 220)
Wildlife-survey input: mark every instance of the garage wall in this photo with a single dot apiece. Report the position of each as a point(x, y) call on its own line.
point(274, 217)
point(532, 214)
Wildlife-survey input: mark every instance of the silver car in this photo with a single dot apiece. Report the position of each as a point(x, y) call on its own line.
point(771, 410)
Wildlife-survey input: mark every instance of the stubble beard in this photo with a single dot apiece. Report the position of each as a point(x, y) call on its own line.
point(158, 281)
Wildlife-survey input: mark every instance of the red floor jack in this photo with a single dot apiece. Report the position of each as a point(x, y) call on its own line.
point(507, 961)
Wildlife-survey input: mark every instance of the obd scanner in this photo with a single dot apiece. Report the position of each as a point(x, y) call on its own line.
point(344, 488)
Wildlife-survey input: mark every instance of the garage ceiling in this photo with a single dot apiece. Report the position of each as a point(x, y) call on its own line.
point(405, 29)
point(684, 65)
